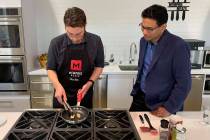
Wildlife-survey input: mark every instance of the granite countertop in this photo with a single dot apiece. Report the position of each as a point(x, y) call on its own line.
point(114, 69)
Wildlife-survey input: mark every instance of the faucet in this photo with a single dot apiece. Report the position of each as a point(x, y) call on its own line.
point(133, 44)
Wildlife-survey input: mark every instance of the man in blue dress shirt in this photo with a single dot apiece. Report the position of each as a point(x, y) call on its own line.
point(164, 79)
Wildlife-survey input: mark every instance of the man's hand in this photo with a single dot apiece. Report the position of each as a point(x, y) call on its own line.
point(161, 112)
point(60, 94)
point(83, 90)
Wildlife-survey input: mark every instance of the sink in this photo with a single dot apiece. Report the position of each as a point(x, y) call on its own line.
point(128, 67)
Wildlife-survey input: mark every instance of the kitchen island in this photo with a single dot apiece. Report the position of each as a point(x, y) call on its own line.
point(191, 120)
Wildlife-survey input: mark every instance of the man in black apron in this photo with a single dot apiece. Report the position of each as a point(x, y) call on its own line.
point(75, 61)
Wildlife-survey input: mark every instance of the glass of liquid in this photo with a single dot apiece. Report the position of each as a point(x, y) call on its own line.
point(206, 114)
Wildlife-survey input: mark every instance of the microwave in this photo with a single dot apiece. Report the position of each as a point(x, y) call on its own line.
point(196, 52)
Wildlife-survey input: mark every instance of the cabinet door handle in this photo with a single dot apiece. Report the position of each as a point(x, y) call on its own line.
point(6, 104)
point(34, 97)
point(36, 82)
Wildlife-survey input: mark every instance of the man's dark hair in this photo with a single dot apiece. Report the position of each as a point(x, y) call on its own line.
point(75, 17)
point(156, 12)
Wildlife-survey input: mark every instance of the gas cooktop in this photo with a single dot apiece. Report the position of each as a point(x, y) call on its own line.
point(49, 125)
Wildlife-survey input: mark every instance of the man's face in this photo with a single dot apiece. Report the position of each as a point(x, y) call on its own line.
point(151, 31)
point(76, 34)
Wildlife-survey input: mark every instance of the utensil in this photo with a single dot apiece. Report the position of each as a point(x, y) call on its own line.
point(142, 119)
point(152, 129)
point(79, 98)
point(143, 128)
point(183, 15)
point(172, 15)
point(68, 108)
point(177, 15)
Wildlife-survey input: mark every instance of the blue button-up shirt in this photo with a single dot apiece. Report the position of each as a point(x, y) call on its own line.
point(147, 61)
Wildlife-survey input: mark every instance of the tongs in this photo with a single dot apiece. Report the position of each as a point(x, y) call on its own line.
point(68, 108)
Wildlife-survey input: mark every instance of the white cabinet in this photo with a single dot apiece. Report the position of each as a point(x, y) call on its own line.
point(14, 101)
point(119, 87)
point(206, 93)
point(193, 101)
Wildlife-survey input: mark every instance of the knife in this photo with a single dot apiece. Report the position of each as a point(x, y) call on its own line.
point(142, 119)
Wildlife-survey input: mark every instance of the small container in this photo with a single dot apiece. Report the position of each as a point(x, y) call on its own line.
point(180, 132)
point(164, 130)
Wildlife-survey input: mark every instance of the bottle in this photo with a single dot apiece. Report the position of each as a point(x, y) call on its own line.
point(164, 130)
point(172, 130)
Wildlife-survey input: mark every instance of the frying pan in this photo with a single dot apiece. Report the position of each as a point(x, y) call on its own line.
point(80, 114)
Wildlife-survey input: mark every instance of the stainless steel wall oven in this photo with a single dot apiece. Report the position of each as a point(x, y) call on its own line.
point(13, 73)
point(14, 94)
point(11, 32)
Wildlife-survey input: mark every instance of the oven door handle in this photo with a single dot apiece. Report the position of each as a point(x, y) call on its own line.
point(6, 104)
point(11, 59)
point(9, 19)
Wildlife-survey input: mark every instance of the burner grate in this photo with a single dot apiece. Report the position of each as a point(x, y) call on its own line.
point(115, 135)
point(36, 120)
point(72, 135)
point(33, 125)
point(112, 119)
point(28, 135)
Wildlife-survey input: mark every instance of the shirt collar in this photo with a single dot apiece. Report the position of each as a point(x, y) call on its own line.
point(69, 41)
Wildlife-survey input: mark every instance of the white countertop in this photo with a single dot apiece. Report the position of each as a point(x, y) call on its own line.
point(114, 69)
point(11, 118)
point(192, 121)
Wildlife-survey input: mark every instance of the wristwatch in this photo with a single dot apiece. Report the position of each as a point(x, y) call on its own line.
point(91, 81)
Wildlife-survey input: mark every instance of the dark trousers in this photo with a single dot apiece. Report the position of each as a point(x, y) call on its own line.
point(138, 103)
point(87, 101)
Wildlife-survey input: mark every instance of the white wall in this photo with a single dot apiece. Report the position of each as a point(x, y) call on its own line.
point(116, 21)
point(30, 35)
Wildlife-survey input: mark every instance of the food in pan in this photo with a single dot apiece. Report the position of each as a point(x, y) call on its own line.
point(78, 115)
point(75, 116)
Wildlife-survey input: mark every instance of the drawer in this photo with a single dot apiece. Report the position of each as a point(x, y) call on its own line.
point(41, 102)
point(206, 100)
point(40, 83)
point(44, 94)
point(45, 86)
point(39, 78)
point(14, 103)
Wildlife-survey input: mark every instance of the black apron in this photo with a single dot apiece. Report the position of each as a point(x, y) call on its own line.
point(75, 71)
